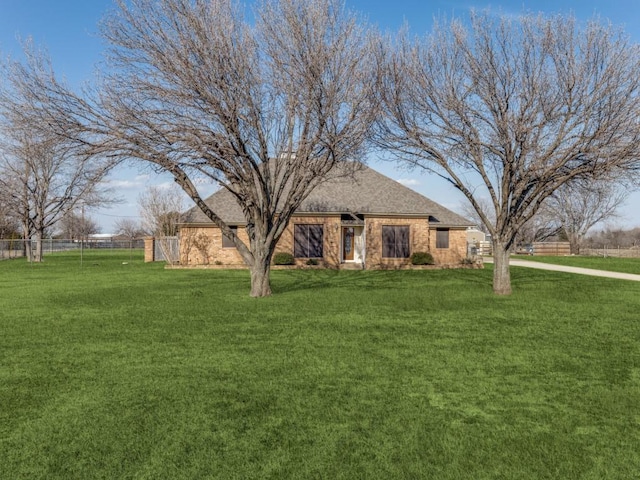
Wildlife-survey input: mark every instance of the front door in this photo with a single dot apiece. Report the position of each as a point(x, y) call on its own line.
point(347, 243)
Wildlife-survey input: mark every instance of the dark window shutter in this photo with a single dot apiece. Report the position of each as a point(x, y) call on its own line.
point(388, 242)
point(395, 241)
point(315, 241)
point(308, 241)
point(227, 242)
point(402, 242)
point(442, 238)
point(300, 241)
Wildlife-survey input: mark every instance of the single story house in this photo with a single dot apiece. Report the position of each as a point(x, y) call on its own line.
point(365, 220)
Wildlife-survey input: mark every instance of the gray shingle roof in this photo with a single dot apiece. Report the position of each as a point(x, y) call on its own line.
point(365, 192)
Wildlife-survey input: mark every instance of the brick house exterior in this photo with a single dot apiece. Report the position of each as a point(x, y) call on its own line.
point(364, 220)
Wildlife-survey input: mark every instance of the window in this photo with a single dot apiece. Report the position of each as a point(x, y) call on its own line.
point(307, 241)
point(442, 238)
point(227, 242)
point(395, 241)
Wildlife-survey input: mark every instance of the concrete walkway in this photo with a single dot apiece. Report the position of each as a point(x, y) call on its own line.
point(567, 269)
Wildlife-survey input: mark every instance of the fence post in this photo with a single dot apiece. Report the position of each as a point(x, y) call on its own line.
point(149, 249)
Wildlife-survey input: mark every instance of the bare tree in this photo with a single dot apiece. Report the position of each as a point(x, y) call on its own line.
point(74, 226)
point(614, 237)
point(129, 228)
point(266, 108)
point(467, 211)
point(9, 224)
point(161, 210)
point(43, 174)
point(510, 110)
point(45, 180)
point(541, 227)
point(580, 205)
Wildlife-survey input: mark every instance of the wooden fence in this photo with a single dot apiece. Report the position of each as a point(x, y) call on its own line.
point(551, 248)
point(539, 248)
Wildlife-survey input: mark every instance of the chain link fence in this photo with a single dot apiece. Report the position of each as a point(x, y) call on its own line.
point(166, 249)
point(13, 248)
point(16, 248)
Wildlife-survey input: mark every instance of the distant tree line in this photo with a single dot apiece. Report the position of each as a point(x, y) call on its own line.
point(613, 237)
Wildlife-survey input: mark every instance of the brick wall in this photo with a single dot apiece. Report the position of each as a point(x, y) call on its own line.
point(418, 240)
point(203, 246)
point(457, 250)
point(331, 238)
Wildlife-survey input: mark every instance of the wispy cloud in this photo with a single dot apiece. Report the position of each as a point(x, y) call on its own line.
point(510, 12)
point(123, 184)
point(126, 183)
point(409, 182)
point(165, 185)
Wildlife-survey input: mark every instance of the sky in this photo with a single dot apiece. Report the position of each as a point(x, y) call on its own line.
point(68, 29)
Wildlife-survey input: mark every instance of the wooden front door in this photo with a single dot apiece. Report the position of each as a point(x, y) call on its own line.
point(348, 236)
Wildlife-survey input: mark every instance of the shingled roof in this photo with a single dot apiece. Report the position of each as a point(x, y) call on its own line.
point(365, 191)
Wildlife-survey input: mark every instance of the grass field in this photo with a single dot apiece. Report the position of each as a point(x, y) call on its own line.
point(127, 370)
point(614, 264)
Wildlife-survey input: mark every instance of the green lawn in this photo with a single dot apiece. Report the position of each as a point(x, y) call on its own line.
point(624, 265)
point(127, 370)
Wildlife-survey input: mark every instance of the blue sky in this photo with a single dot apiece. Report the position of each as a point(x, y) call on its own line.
point(68, 29)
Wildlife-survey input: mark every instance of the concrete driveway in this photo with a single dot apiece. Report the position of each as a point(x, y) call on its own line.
point(567, 269)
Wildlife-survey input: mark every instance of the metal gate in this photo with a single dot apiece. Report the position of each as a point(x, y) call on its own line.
point(166, 249)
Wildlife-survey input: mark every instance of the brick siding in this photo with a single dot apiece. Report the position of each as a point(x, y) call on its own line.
point(202, 245)
point(149, 249)
point(418, 240)
point(457, 250)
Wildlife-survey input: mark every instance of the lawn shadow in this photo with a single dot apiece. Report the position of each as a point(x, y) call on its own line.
point(300, 280)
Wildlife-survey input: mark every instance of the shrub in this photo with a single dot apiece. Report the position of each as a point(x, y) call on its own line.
point(312, 261)
point(422, 258)
point(283, 258)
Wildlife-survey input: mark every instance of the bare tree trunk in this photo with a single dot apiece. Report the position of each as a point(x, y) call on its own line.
point(260, 272)
point(501, 273)
point(575, 240)
point(574, 244)
point(27, 243)
point(37, 256)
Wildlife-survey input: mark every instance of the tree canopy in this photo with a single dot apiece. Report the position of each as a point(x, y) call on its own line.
point(265, 108)
point(510, 109)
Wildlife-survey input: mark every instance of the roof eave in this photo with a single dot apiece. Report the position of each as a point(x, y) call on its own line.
point(369, 214)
